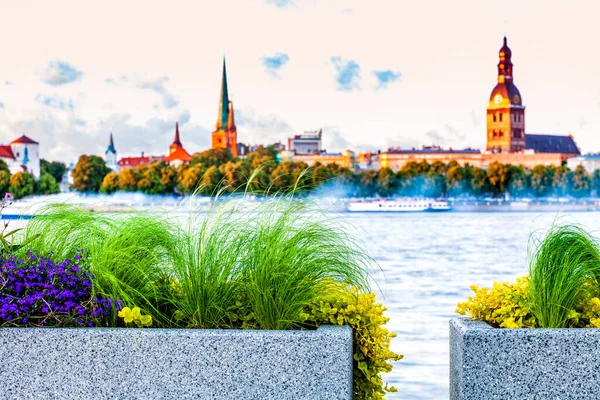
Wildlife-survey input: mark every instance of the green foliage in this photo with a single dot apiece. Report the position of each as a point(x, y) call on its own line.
point(55, 168)
point(372, 355)
point(508, 305)
point(110, 183)
point(292, 252)
point(89, 173)
point(128, 254)
point(47, 184)
point(561, 265)
point(4, 180)
point(212, 157)
point(4, 166)
point(21, 185)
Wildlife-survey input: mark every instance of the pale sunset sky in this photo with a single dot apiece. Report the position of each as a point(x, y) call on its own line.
point(372, 74)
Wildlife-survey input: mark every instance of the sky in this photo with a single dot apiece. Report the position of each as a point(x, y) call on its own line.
point(372, 74)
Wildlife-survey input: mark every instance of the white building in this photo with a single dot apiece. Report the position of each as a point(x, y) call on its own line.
point(590, 162)
point(306, 143)
point(110, 155)
point(22, 155)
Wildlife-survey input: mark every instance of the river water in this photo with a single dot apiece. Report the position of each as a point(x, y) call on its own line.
point(428, 261)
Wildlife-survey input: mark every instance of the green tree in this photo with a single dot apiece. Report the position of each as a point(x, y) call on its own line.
point(519, 181)
point(22, 184)
point(211, 180)
point(479, 182)
point(4, 166)
point(89, 173)
point(562, 180)
point(368, 183)
point(54, 168)
point(189, 179)
point(455, 180)
point(541, 180)
point(385, 182)
point(47, 184)
point(4, 181)
point(582, 183)
point(127, 180)
point(291, 175)
point(596, 181)
point(320, 175)
point(497, 175)
point(235, 175)
point(110, 183)
point(212, 157)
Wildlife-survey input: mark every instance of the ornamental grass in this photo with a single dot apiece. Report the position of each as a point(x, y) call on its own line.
point(561, 291)
point(279, 264)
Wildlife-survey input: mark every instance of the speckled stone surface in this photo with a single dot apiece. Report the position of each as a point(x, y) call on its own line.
point(99, 363)
point(489, 363)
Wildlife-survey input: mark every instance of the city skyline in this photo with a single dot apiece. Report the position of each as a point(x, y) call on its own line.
point(372, 82)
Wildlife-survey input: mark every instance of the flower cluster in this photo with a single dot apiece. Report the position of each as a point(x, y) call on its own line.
point(135, 316)
point(35, 291)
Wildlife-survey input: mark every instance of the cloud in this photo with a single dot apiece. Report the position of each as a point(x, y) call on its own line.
point(281, 3)
point(274, 63)
point(347, 74)
point(261, 129)
point(58, 73)
point(117, 81)
point(454, 133)
point(475, 119)
point(385, 77)
point(55, 102)
point(157, 85)
point(334, 140)
point(8, 83)
point(436, 138)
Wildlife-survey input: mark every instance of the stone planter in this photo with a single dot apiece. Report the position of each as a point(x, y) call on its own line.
point(490, 363)
point(102, 363)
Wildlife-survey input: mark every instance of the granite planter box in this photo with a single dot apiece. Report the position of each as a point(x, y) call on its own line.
point(102, 363)
point(491, 363)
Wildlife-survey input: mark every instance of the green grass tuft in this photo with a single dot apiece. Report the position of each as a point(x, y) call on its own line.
point(560, 269)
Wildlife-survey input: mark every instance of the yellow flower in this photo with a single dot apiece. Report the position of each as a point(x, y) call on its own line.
point(126, 314)
point(146, 320)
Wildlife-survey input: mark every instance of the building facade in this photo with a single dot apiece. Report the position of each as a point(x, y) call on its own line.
point(225, 134)
point(22, 155)
point(307, 143)
point(395, 159)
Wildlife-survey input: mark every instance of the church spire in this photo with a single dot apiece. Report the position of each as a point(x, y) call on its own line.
point(223, 102)
point(176, 141)
point(111, 145)
point(505, 66)
point(231, 120)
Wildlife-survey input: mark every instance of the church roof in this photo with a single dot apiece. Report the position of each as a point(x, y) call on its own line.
point(178, 154)
point(24, 140)
point(508, 91)
point(551, 144)
point(6, 152)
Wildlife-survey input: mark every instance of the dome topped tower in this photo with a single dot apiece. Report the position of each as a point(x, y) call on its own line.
point(505, 113)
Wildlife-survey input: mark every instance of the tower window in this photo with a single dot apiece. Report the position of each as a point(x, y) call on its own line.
point(501, 118)
point(501, 133)
point(494, 117)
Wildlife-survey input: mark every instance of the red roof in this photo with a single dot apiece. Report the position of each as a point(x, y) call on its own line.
point(178, 154)
point(24, 140)
point(133, 161)
point(6, 152)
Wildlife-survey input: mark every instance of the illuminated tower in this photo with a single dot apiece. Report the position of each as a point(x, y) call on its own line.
point(505, 112)
point(225, 134)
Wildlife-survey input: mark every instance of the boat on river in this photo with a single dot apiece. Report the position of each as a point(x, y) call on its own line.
point(410, 205)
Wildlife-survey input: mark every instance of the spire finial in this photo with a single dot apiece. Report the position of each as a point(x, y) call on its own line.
point(176, 140)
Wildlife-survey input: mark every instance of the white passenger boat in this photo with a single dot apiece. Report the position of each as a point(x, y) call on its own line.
point(421, 205)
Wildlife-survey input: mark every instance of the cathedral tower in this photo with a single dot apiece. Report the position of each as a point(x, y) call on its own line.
point(110, 155)
point(505, 112)
point(225, 134)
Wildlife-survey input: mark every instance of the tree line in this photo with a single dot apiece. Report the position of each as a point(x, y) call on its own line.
point(22, 184)
point(261, 171)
